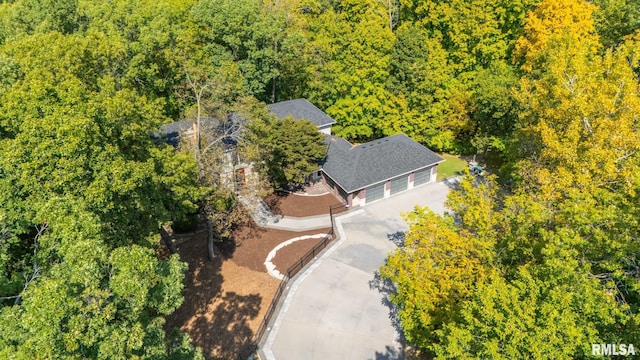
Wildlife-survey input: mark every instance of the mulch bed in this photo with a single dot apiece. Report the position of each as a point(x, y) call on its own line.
point(226, 299)
point(301, 205)
point(295, 251)
point(256, 244)
point(224, 303)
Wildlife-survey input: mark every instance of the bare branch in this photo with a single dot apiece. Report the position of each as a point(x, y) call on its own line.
point(28, 278)
point(625, 156)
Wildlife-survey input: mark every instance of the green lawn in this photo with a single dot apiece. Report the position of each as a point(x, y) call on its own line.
point(451, 166)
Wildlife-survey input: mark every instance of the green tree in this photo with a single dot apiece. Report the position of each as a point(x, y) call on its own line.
point(495, 107)
point(348, 58)
point(263, 41)
point(84, 190)
point(529, 317)
point(434, 273)
point(144, 35)
point(30, 17)
point(89, 299)
point(421, 73)
point(476, 33)
point(561, 242)
point(616, 19)
point(285, 150)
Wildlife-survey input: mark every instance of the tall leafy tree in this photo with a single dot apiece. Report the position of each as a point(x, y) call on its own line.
point(616, 19)
point(436, 105)
point(561, 242)
point(474, 33)
point(89, 299)
point(262, 40)
point(84, 192)
point(434, 272)
point(349, 52)
point(528, 317)
point(286, 151)
point(496, 109)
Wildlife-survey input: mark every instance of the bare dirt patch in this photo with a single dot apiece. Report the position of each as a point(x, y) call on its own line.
point(300, 205)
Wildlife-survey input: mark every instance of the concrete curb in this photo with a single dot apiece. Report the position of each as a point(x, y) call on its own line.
point(296, 228)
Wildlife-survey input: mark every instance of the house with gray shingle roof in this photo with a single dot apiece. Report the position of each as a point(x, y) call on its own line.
point(377, 169)
point(357, 174)
point(367, 172)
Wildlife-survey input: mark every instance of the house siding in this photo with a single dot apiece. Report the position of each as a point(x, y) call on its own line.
point(325, 129)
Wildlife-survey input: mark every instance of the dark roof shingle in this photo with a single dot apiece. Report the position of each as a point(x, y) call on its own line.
point(301, 109)
point(357, 167)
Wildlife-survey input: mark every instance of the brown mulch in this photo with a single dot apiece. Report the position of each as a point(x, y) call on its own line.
point(295, 251)
point(301, 205)
point(223, 303)
point(256, 244)
point(226, 299)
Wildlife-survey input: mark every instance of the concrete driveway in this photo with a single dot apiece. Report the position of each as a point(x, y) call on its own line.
point(335, 309)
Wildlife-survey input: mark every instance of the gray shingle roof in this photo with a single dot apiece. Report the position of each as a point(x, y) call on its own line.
point(357, 167)
point(301, 109)
point(298, 108)
point(170, 133)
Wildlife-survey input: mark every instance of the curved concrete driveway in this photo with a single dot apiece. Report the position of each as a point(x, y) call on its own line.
point(331, 311)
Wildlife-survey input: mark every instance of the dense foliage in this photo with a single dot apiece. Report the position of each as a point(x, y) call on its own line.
point(83, 187)
point(548, 266)
point(549, 85)
point(285, 150)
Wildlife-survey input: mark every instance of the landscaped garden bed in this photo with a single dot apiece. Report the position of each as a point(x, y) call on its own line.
point(302, 205)
point(226, 299)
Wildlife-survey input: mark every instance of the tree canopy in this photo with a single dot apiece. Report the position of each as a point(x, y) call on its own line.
point(559, 241)
point(286, 151)
point(549, 86)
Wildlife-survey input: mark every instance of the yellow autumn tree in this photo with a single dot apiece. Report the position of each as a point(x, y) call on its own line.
point(579, 129)
point(551, 21)
point(433, 272)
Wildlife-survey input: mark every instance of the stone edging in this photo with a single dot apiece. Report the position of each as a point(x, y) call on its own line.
point(271, 267)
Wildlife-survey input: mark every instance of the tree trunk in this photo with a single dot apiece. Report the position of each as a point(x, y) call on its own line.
point(197, 130)
point(212, 254)
point(167, 241)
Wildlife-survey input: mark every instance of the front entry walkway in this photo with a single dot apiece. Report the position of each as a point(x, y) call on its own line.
point(332, 310)
point(263, 216)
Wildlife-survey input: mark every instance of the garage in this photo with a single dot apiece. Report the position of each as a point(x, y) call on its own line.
point(374, 170)
point(399, 184)
point(422, 177)
point(374, 193)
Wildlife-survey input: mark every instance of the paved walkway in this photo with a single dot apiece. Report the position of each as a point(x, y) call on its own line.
point(336, 308)
point(263, 216)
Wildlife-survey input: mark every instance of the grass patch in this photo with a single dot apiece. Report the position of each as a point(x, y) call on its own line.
point(451, 166)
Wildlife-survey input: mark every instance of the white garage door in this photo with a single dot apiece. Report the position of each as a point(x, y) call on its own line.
point(399, 184)
point(374, 193)
point(422, 177)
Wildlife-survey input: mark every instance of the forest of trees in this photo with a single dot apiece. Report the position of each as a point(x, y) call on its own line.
point(539, 262)
point(543, 261)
